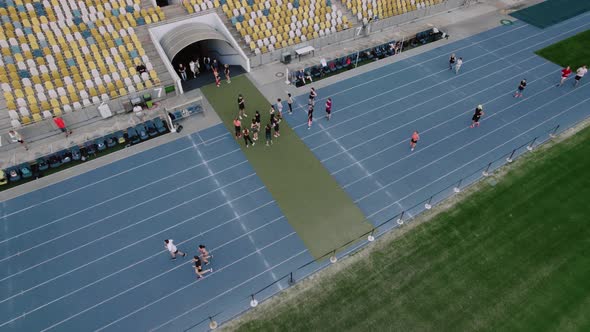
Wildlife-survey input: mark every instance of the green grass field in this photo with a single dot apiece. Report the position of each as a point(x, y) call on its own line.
point(319, 210)
point(573, 52)
point(514, 256)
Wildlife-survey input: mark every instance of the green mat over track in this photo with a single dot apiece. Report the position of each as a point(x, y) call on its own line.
point(551, 12)
point(319, 210)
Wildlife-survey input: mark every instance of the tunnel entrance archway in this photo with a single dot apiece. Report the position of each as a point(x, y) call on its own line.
point(197, 37)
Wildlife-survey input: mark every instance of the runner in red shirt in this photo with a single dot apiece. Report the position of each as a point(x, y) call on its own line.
point(414, 140)
point(564, 74)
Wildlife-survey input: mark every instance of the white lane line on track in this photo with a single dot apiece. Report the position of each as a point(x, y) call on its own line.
point(130, 208)
point(215, 297)
point(440, 140)
point(135, 224)
point(117, 197)
point(414, 65)
point(465, 145)
point(423, 131)
point(426, 102)
point(462, 166)
point(166, 296)
point(232, 207)
point(430, 86)
point(141, 261)
point(106, 179)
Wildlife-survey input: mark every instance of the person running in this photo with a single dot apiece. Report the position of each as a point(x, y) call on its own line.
point(565, 73)
point(414, 140)
point(476, 116)
point(579, 74)
point(458, 65)
point(169, 245)
point(267, 133)
point(247, 139)
point(16, 137)
point(452, 60)
point(255, 128)
point(257, 118)
point(329, 108)
point(226, 71)
point(199, 268)
point(238, 127)
point(290, 103)
point(309, 116)
point(241, 107)
point(204, 254)
point(312, 95)
point(520, 89)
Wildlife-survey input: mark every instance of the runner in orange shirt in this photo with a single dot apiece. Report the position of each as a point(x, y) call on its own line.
point(414, 140)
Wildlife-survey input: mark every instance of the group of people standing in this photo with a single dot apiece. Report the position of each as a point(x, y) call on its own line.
point(275, 118)
point(210, 65)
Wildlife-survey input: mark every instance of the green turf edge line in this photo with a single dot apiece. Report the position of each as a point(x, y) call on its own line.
point(319, 210)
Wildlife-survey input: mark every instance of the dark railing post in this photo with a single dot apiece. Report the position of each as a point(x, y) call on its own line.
point(333, 258)
point(212, 324)
point(509, 159)
point(457, 188)
point(253, 302)
point(486, 171)
point(400, 220)
point(553, 133)
point(291, 279)
point(427, 206)
point(530, 146)
point(371, 236)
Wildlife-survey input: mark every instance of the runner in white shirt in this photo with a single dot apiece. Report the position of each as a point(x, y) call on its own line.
point(458, 65)
point(172, 249)
point(579, 74)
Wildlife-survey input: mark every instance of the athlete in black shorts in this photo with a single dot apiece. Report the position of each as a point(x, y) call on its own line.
point(476, 116)
point(520, 89)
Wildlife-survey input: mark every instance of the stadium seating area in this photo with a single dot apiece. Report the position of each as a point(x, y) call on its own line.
point(273, 24)
point(369, 9)
point(62, 55)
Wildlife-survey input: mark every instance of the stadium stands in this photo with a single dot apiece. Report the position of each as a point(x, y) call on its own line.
point(62, 55)
point(274, 24)
point(365, 10)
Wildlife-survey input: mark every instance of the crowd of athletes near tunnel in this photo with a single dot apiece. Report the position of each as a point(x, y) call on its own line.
point(249, 131)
